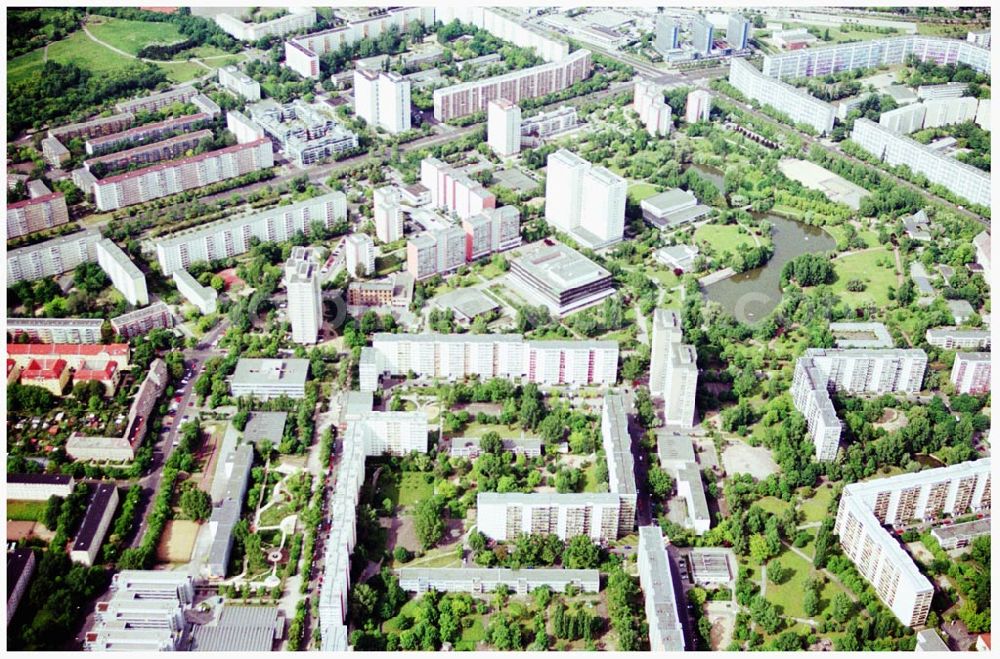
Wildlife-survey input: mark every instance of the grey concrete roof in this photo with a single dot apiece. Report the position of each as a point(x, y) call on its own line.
point(265, 425)
point(238, 629)
point(271, 371)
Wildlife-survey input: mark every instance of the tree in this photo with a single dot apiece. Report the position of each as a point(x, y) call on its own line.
point(778, 573)
point(581, 553)
point(660, 482)
point(364, 599)
point(51, 515)
point(90, 278)
point(760, 548)
point(196, 504)
point(811, 602)
point(428, 521)
point(765, 614)
point(841, 608)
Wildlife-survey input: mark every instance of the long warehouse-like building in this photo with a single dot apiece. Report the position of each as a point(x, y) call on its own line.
point(867, 508)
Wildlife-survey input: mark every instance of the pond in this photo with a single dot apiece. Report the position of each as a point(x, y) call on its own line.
point(712, 174)
point(749, 296)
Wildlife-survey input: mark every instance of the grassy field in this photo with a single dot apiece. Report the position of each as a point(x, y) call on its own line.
point(412, 489)
point(476, 429)
point(839, 233)
point(724, 237)
point(591, 484)
point(788, 596)
point(639, 191)
point(773, 505)
point(25, 511)
point(273, 515)
point(815, 509)
point(865, 266)
point(133, 36)
point(473, 634)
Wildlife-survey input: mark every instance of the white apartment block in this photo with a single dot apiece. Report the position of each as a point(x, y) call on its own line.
point(124, 274)
point(142, 321)
point(584, 201)
point(947, 90)
point(946, 111)
point(454, 191)
point(38, 487)
point(617, 445)
point(698, 106)
point(981, 39)
point(36, 214)
point(390, 433)
point(145, 612)
point(469, 97)
point(203, 297)
point(155, 101)
point(236, 81)
point(305, 298)
point(798, 104)
point(983, 253)
point(824, 60)
point(57, 330)
point(951, 338)
point(382, 99)
point(298, 18)
point(673, 370)
point(227, 238)
point(507, 25)
point(862, 371)
point(301, 60)
point(177, 176)
point(438, 251)
point(494, 230)
point(486, 580)
point(537, 128)
point(94, 526)
point(506, 516)
point(656, 580)
point(971, 372)
point(906, 119)
point(508, 356)
point(811, 398)
point(651, 106)
point(54, 152)
point(675, 450)
point(963, 180)
point(306, 132)
point(503, 127)
point(388, 214)
point(737, 31)
point(52, 257)
point(359, 254)
point(867, 508)
point(270, 378)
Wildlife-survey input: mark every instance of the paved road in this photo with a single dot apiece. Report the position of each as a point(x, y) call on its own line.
point(194, 360)
point(835, 150)
point(643, 504)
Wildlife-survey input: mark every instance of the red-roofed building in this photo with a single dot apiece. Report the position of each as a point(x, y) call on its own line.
point(983, 643)
point(51, 374)
point(75, 354)
point(38, 214)
point(106, 373)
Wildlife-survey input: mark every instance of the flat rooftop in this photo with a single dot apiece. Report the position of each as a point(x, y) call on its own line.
point(265, 425)
point(239, 629)
point(560, 267)
point(271, 371)
point(467, 302)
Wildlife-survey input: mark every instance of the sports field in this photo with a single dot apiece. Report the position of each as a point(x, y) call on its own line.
point(177, 541)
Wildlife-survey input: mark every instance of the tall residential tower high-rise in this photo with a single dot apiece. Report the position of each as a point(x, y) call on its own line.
point(503, 127)
point(702, 35)
point(305, 301)
point(382, 99)
point(668, 34)
point(737, 31)
point(673, 370)
point(584, 201)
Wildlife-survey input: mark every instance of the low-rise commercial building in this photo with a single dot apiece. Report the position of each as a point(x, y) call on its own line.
point(227, 238)
point(145, 612)
point(486, 580)
point(203, 297)
point(396, 290)
point(38, 487)
point(39, 214)
point(270, 378)
point(673, 208)
point(868, 507)
point(470, 447)
point(894, 149)
point(861, 335)
point(656, 580)
point(97, 519)
point(142, 321)
point(124, 275)
point(676, 453)
point(560, 278)
point(959, 536)
point(239, 629)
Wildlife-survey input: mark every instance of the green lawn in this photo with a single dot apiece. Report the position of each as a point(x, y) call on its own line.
point(475, 633)
point(773, 505)
point(639, 191)
point(413, 488)
point(865, 266)
point(815, 509)
point(591, 484)
point(724, 237)
point(25, 511)
point(79, 49)
point(788, 596)
point(409, 610)
point(476, 429)
point(273, 515)
point(133, 36)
